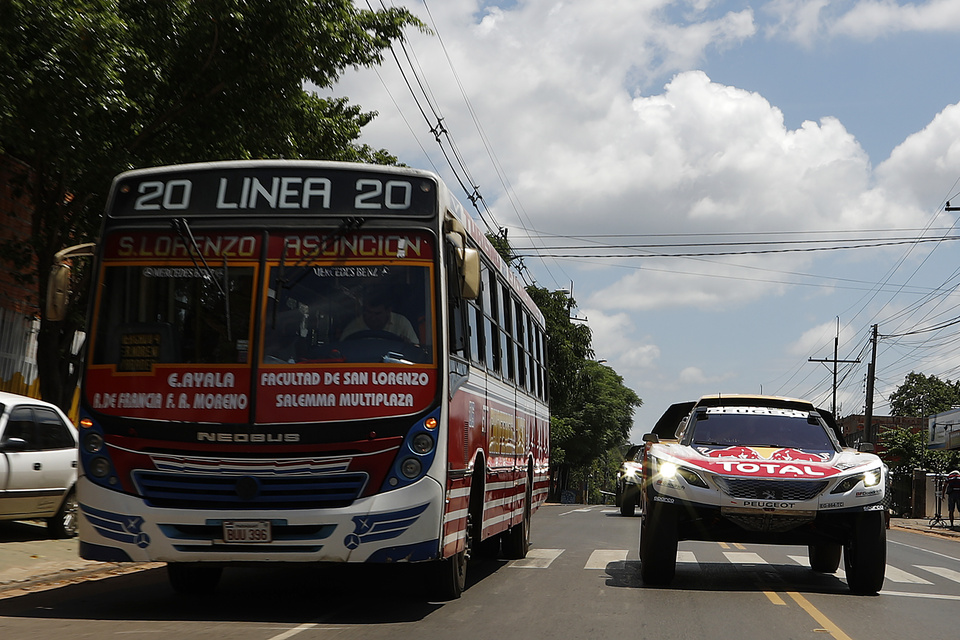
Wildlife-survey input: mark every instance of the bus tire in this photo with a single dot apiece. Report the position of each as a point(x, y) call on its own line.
point(449, 577)
point(658, 544)
point(193, 578)
point(824, 556)
point(516, 539)
point(865, 553)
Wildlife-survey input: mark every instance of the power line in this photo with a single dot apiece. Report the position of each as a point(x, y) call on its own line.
point(651, 254)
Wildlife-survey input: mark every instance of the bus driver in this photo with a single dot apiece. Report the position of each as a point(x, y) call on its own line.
point(377, 315)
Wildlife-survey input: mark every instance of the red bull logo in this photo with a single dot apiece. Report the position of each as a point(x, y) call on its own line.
point(743, 453)
point(793, 455)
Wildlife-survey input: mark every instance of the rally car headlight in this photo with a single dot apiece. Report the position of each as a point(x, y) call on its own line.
point(669, 470)
point(868, 478)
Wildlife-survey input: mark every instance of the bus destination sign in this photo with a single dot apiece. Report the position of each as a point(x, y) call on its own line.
point(294, 190)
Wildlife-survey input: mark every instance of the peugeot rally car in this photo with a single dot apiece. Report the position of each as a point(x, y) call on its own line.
point(761, 469)
point(628, 481)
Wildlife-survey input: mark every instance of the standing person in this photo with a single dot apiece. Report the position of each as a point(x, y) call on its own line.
point(952, 489)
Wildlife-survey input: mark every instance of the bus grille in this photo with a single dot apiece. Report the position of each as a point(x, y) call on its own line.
point(757, 489)
point(198, 491)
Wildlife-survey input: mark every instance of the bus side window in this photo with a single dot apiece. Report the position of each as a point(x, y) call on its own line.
point(476, 332)
point(492, 357)
point(458, 309)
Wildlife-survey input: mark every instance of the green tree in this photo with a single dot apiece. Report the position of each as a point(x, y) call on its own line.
point(89, 88)
point(591, 409)
point(906, 449)
point(920, 396)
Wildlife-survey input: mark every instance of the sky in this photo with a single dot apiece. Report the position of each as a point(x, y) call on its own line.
point(729, 188)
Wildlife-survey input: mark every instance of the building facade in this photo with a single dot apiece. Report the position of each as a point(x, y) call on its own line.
point(19, 307)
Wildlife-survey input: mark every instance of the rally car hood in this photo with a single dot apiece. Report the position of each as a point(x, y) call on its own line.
point(764, 462)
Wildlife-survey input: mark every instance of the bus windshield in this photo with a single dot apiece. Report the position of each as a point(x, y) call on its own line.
point(174, 314)
point(360, 313)
point(300, 321)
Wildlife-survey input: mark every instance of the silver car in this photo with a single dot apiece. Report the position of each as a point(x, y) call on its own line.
point(38, 464)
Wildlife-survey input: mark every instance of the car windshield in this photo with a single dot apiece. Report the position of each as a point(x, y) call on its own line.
point(759, 427)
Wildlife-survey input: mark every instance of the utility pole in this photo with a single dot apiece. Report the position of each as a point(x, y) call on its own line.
point(836, 346)
point(868, 431)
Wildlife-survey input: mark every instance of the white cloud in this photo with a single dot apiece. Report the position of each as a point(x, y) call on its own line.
point(808, 21)
point(614, 341)
point(871, 19)
point(818, 342)
point(695, 376)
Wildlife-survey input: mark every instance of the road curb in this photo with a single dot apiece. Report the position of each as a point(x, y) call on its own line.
point(70, 576)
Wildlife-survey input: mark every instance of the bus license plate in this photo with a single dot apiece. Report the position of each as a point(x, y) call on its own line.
point(246, 531)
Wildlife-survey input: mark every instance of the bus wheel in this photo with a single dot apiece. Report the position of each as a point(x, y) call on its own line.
point(824, 556)
point(516, 539)
point(450, 576)
point(191, 578)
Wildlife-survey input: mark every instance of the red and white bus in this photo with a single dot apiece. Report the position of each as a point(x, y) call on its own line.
point(302, 361)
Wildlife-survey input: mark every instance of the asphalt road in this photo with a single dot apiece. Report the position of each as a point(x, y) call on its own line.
point(581, 580)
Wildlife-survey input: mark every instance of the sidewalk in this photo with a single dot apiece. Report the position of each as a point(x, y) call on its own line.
point(31, 561)
point(923, 524)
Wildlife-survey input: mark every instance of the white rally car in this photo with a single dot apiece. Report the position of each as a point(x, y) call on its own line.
point(761, 469)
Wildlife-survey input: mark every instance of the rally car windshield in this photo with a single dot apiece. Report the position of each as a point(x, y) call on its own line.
point(794, 430)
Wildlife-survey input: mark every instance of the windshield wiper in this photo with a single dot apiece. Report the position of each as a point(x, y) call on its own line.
point(182, 227)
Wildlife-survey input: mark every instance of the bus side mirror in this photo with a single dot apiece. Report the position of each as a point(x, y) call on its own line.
point(468, 259)
point(470, 273)
point(58, 284)
point(651, 438)
point(58, 292)
point(865, 447)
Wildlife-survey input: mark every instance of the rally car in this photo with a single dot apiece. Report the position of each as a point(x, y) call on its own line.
point(762, 469)
point(628, 481)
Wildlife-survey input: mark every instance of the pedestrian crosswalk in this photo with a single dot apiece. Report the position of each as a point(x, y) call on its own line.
point(603, 559)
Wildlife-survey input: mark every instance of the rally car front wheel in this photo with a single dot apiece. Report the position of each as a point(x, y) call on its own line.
point(658, 544)
point(865, 553)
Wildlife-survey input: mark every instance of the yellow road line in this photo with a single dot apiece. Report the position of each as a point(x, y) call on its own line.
point(815, 613)
point(774, 598)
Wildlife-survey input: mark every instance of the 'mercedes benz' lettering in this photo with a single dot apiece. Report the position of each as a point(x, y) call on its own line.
point(244, 438)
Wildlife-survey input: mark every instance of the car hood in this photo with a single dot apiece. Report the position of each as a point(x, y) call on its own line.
point(769, 462)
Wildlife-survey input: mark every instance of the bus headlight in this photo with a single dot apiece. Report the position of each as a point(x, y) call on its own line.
point(422, 443)
point(92, 442)
point(99, 467)
point(411, 468)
